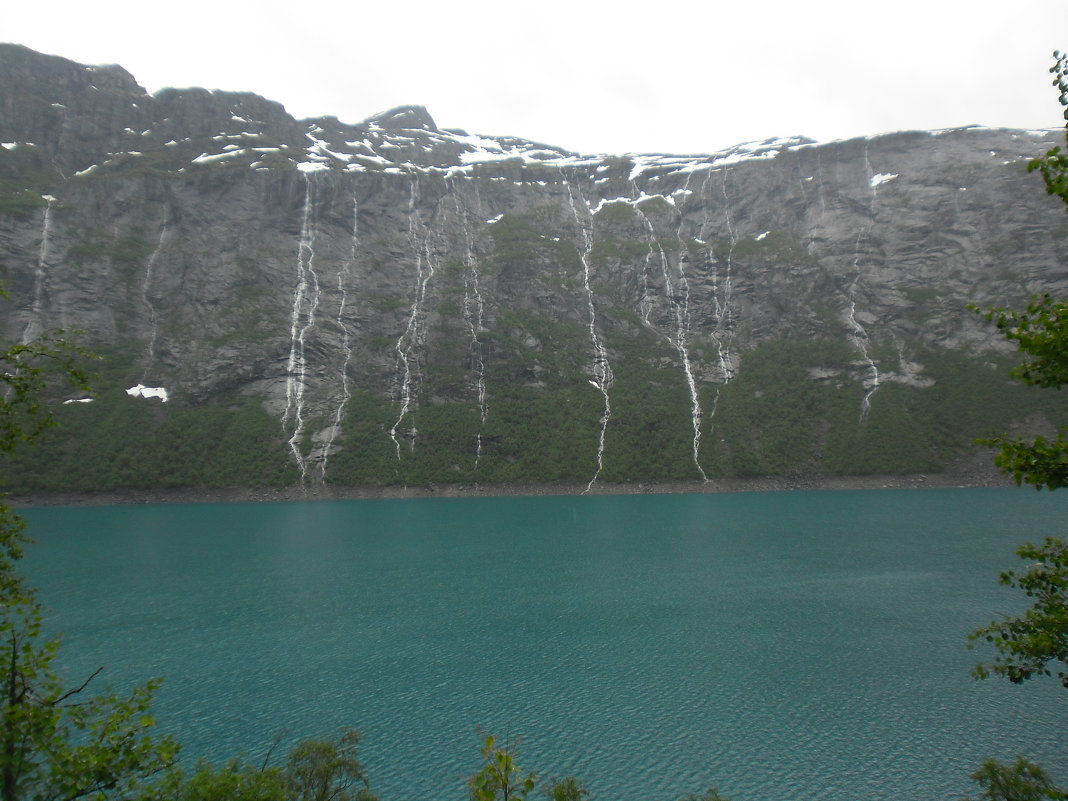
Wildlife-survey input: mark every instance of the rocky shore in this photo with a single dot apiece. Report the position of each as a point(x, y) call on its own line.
point(976, 474)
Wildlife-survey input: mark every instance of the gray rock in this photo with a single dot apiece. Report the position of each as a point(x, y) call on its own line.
point(224, 248)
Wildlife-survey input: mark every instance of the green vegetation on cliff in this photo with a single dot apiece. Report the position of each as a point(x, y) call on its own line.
point(117, 441)
point(793, 409)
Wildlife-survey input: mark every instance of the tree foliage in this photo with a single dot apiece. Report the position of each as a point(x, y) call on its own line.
point(27, 370)
point(1021, 781)
point(711, 794)
point(500, 778)
point(566, 789)
point(57, 743)
point(1029, 644)
point(234, 780)
point(1041, 333)
point(1054, 165)
point(328, 770)
point(25, 374)
point(316, 770)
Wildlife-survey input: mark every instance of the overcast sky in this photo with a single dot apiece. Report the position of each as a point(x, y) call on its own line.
point(596, 77)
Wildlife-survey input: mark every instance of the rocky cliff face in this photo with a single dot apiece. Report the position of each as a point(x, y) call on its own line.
point(418, 304)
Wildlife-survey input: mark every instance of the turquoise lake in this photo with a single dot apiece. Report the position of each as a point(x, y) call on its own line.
point(780, 646)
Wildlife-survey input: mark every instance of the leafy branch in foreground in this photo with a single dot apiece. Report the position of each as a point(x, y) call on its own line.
point(1021, 781)
point(711, 794)
point(56, 744)
point(317, 770)
point(1054, 165)
point(1027, 645)
point(1041, 333)
point(27, 370)
point(1040, 462)
point(59, 744)
point(328, 770)
point(500, 779)
point(566, 789)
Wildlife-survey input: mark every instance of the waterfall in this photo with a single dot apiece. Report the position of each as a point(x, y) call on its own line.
point(602, 370)
point(721, 289)
point(722, 298)
point(728, 293)
point(857, 332)
point(819, 176)
point(346, 338)
point(645, 304)
point(302, 318)
point(678, 296)
point(153, 317)
point(35, 326)
point(473, 310)
point(800, 179)
point(413, 334)
point(684, 336)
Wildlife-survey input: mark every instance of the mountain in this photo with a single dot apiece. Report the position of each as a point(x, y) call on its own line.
point(299, 302)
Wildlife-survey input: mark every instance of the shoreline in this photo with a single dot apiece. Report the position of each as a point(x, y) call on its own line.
point(974, 478)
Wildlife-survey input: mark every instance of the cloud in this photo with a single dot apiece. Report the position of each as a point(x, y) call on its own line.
point(590, 76)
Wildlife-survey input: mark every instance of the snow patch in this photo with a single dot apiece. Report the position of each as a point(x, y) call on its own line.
point(375, 159)
point(761, 236)
point(630, 201)
point(882, 178)
point(223, 137)
point(141, 391)
point(640, 166)
point(78, 400)
point(320, 150)
point(205, 158)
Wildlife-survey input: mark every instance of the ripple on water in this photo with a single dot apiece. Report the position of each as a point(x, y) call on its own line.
point(785, 646)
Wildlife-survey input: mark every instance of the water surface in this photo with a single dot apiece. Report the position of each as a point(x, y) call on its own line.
point(781, 646)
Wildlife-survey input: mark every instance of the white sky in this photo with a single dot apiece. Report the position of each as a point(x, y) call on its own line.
point(592, 76)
